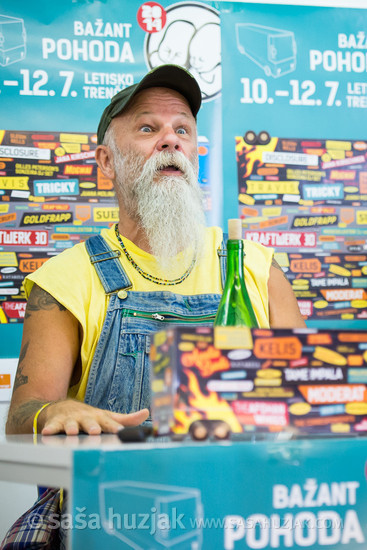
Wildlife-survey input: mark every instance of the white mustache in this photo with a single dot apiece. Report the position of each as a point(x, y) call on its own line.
point(164, 159)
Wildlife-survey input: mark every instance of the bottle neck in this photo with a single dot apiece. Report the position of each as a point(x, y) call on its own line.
point(234, 259)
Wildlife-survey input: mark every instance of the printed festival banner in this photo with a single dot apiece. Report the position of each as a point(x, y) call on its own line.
point(295, 149)
point(58, 71)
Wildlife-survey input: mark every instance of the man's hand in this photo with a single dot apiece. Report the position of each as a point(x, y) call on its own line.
point(71, 417)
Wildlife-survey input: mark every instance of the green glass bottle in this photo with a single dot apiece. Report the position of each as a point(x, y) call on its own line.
point(235, 308)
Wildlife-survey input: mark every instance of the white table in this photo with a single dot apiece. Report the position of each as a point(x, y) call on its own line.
point(48, 460)
point(213, 481)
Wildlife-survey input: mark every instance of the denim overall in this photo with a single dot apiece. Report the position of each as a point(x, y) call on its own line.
point(119, 377)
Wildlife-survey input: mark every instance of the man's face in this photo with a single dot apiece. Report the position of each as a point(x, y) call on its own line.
point(159, 119)
point(155, 164)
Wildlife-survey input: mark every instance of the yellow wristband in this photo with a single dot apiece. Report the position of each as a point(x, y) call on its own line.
point(36, 417)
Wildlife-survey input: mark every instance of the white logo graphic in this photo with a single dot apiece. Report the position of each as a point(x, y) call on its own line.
point(190, 38)
point(274, 50)
point(148, 515)
point(12, 40)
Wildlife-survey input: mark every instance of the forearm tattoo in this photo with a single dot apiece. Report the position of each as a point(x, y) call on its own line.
point(40, 299)
point(24, 412)
point(275, 264)
point(20, 378)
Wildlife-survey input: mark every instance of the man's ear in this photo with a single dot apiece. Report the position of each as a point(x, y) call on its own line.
point(104, 159)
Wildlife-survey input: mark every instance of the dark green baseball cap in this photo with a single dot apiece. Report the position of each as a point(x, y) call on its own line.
point(165, 76)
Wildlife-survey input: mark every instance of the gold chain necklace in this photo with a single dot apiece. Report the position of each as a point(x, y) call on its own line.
point(146, 275)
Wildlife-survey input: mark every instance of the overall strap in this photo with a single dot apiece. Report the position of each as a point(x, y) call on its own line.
point(106, 262)
point(222, 253)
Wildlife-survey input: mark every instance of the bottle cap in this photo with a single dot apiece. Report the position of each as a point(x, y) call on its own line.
point(235, 229)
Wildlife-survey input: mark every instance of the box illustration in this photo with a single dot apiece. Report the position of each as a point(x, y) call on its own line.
point(274, 50)
point(12, 40)
point(164, 509)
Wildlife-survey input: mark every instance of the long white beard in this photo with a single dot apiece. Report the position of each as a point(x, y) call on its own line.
point(168, 208)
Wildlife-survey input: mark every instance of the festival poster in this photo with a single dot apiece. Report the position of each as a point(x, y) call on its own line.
point(295, 153)
point(307, 199)
point(58, 71)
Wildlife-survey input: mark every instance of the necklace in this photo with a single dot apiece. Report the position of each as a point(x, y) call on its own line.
point(146, 275)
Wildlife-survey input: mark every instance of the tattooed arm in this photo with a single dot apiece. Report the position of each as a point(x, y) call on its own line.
point(283, 308)
point(49, 351)
point(49, 354)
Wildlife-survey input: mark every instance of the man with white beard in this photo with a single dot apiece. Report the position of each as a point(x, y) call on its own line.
point(171, 214)
point(84, 361)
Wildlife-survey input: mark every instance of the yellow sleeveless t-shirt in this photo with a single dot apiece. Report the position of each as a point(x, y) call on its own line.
point(71, 279)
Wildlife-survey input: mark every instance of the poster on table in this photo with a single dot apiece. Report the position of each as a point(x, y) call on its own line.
point(295, 150)
point(58, 71)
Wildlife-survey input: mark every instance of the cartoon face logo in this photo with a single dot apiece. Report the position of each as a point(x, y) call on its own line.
point(190, 38)
point(172, 50)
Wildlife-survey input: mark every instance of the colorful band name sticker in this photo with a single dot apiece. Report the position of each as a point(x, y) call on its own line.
point(314, 221)
point(273, 187)
point(290, 158)
point(15, 310)
point(261, 413)
point(8, 259)
point(110, 214)
point(319, 395)
point(56, 187)
point(14, 182)
point(13, 237)
point(28, 266)
point(40, 218)
point(344, 162)
point(328, 282)
point(336, 295)
point(24, 152)
point(324, 191)
point(314, 374)
point(287, 347)
point(283, 238)
point(76, 170)
point(75, 156)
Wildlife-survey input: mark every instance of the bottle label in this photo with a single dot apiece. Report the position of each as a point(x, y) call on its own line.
point(232, 338)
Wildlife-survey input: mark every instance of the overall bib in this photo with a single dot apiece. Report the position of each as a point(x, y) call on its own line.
point(119, 377)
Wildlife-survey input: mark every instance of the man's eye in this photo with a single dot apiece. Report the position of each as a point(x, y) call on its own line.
point(181, 131)
point(145, 129)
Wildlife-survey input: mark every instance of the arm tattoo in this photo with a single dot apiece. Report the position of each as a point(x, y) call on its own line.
point(20, 378)
point(40, 299)
point(25, 411)
point(275, 264)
